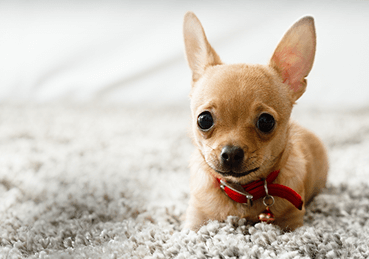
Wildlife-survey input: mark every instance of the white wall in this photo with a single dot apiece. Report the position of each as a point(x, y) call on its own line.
point(132, 51)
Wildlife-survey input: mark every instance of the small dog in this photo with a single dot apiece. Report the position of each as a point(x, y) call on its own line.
point(251, 160)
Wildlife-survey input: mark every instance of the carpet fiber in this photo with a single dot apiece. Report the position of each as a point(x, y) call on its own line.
point(100, 181)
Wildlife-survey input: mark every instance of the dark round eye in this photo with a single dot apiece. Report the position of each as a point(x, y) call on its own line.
point(205, 121)
point(265, 123)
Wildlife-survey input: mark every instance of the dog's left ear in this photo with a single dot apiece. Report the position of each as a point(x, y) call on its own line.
point(200, 54)
point(294, 55)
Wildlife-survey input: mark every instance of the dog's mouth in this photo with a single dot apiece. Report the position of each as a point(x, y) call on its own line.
point(237, 175)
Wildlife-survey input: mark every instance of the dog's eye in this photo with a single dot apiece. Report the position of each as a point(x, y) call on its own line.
point(265, 123)
point(205, 121)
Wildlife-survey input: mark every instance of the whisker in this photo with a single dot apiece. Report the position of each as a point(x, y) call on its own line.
point(210, 147)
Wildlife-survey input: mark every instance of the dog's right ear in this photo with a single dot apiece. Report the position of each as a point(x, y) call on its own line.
point(294, 56)
point(200, 55)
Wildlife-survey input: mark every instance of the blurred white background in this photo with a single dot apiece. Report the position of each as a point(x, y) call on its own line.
point(132, 51)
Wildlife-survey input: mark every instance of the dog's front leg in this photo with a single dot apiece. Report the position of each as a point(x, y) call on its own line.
point(195, 218)
point(291, 219)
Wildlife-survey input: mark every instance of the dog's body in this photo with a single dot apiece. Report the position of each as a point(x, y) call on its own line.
point(242, 127)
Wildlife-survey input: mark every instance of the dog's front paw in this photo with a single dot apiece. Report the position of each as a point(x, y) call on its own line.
point(194, 219)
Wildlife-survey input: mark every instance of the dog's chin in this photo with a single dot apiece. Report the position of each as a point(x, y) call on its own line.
point(237, 175)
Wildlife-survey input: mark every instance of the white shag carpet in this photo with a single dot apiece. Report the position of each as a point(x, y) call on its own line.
point(100, 181)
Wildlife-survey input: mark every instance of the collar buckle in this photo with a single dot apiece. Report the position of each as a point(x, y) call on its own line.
point(238, 189)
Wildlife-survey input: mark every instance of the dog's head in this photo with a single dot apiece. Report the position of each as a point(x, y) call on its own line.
point(241, 112)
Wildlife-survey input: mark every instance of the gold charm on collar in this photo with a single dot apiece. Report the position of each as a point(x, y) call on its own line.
point(268, 201)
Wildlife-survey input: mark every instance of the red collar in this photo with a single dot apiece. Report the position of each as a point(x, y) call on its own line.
point(255, 190)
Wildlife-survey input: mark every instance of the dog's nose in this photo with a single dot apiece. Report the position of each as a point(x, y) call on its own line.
point(232, 156)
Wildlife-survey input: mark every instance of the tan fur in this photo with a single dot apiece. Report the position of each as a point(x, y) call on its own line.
point(236, 95)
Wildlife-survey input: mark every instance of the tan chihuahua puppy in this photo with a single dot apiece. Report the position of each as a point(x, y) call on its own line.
point(243, 132)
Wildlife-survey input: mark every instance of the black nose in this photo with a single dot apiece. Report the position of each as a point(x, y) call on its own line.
point(232, 156)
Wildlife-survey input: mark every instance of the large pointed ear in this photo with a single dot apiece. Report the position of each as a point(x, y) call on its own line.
point(200, 54)
point(294, 56)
